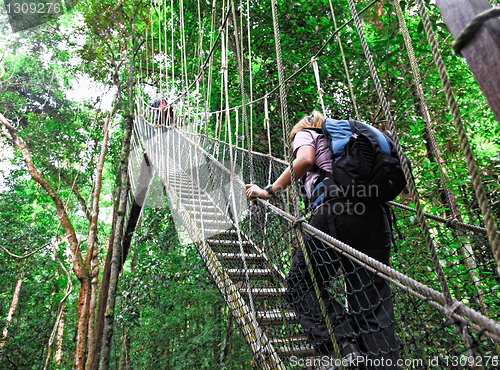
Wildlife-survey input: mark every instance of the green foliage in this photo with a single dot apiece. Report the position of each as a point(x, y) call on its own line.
point(169, 307)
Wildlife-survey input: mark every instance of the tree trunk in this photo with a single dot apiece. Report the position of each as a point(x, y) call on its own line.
point(12, 310)
point(57, 329)
point(227, 350)
point(83, 305)
point(116, 257)
point(58, 326)
point(59, 341)
point(483, 51)
point(124, 363)
point(92, 309)
point(103, 295)
point(92, 248)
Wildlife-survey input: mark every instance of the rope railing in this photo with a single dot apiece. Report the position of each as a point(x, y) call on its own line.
point(248, 247)
point(457, 311)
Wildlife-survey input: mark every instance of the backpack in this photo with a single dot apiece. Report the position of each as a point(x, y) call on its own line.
point(365, 163)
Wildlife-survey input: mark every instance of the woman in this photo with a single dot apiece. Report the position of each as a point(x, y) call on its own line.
point(368, 325)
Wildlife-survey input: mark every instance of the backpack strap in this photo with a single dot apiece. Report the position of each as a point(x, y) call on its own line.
point(323, 174)
point(391, 218)
point(304, 193)
point(324, 190)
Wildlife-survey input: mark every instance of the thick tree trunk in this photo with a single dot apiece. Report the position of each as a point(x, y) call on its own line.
point(103, 295)
point(83, 305)
point(12, 310)
point(483, 51)
point(116, 258)
point(92, 248)
point(93, 303)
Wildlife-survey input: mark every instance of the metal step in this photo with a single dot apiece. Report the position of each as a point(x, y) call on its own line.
point(211, 222)
point(286, 341)
point(254, 274)
point(197, 198)
point(230, 233)
point(215, 216)
point(232, 243)
point(299, 351)
point(213, 232)
point(273, 317)
point(223, 232)
point(261, 294)
point(249, 257)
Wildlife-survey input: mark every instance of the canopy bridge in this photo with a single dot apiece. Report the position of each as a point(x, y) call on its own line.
point(446, 296)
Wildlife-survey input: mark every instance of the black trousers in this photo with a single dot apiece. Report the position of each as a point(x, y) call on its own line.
point(368, 318)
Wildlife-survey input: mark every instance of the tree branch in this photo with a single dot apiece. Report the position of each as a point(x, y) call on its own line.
point(11, 134)
point(24, 256)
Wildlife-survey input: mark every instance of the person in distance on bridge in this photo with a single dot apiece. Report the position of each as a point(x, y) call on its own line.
point(365, 330)
point(163, 113)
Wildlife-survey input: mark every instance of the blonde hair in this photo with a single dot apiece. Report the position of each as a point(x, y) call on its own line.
point(313, 120)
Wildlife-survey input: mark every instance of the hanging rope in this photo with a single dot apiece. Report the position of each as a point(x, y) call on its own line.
point(423, 102)
point(464, 142)
point(346, 69)
point(468, 257)
point(413, 190)
point(318, 84)
point(239, 57)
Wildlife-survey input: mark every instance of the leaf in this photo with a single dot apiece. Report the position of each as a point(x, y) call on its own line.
point(420, 27)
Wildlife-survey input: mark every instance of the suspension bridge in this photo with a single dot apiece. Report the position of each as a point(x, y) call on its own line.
point(444, 297)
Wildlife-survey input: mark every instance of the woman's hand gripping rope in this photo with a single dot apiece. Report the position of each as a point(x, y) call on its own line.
point(305, 159)
point(254, 191)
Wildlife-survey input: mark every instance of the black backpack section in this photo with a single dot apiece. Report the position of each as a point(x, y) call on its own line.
point(365, 166)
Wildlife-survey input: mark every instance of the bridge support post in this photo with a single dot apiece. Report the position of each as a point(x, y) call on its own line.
point(483, 52)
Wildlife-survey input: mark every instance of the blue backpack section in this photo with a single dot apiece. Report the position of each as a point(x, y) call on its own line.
point(340, 133)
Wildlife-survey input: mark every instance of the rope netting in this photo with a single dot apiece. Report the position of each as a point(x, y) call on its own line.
point(297, 292)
